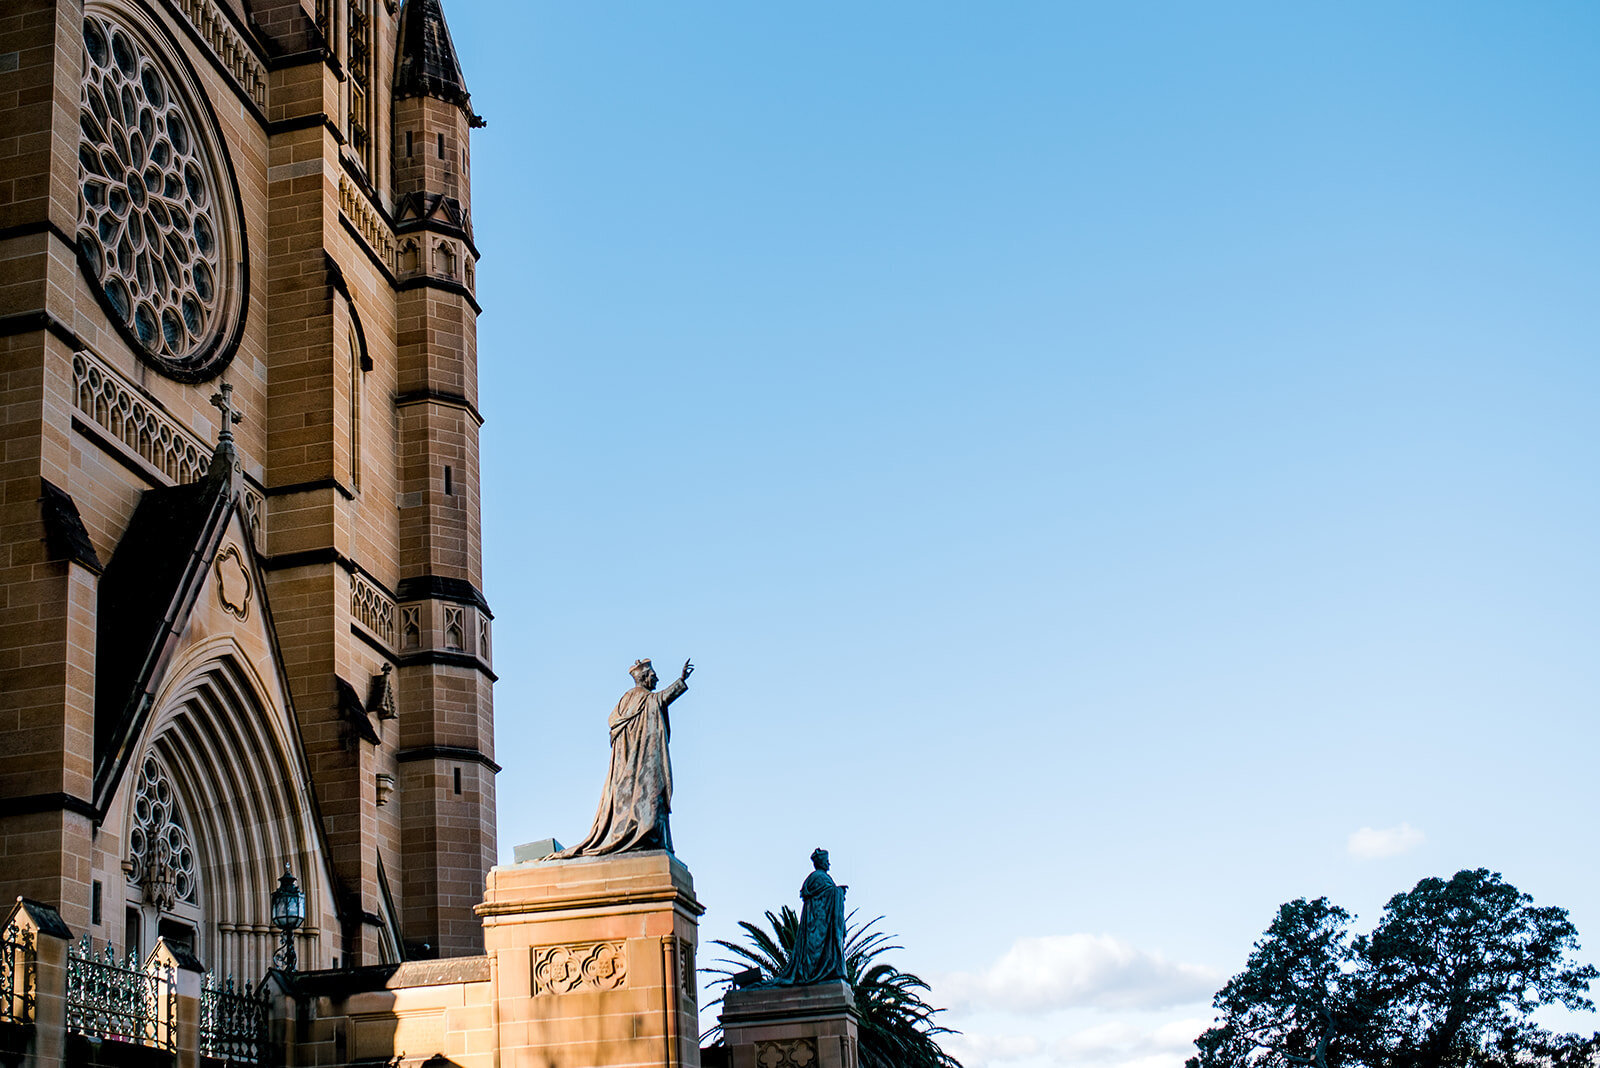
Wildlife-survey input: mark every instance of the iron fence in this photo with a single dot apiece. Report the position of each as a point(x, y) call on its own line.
point(123, 1001)
point(19, 973)
point(233, 1023)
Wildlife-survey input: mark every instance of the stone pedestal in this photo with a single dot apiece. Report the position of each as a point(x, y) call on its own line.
point(791, 1027)
point(594, 962)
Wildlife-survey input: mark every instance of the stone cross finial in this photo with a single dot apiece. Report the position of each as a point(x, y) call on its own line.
point(230, 415)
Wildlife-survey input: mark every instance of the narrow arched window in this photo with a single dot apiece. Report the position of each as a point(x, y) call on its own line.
point(361, 120)
point(357, 374)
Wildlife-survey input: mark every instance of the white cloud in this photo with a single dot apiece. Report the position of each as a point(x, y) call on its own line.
point(980, 1051)
point(1121, 1044)
point(1112, 1044)
point(1370, 843)
point(1078, 971)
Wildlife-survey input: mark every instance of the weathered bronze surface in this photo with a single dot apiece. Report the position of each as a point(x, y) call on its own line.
point(638, 792)
point(818, 955)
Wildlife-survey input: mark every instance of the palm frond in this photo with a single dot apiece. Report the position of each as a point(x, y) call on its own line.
point(897, 1026)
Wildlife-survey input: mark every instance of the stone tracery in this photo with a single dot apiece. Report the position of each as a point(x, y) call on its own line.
point(152, 224)
point(161, 855)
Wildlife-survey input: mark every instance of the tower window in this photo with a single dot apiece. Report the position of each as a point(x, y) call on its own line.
point(359, 63)
point(449, 485)
point(408, 144)
point(458, 782)
point(356, 371)
point(95, 903)
point(132, 930)
point(441, 146)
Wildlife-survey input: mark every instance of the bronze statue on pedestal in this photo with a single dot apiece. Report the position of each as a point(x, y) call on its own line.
point(638, 792)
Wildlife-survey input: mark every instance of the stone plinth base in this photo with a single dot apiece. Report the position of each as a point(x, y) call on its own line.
point(791, 1027)
point(594, 961)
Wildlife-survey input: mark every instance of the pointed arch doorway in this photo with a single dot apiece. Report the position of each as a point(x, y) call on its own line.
point(220, 803)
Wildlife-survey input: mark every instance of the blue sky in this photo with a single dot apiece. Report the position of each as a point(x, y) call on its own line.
point(1100, 457)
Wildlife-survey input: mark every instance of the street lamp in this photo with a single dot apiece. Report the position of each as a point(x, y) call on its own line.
point(288, 912)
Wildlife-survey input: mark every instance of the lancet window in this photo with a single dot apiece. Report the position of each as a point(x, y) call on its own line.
point(355, 414)
point(358, 59)
point(162, 866)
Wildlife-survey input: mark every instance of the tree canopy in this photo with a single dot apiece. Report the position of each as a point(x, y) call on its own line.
point(1449, 978)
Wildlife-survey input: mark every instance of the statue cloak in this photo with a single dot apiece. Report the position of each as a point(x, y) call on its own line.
point(638, 791)
point(818, 954)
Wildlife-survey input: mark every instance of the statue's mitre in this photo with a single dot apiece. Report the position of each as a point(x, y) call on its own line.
point(638, 670)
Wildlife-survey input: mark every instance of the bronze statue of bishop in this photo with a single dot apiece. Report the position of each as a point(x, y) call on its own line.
point(638, 792)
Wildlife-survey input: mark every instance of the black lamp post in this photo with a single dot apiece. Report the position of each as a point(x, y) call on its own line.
point(288, 912)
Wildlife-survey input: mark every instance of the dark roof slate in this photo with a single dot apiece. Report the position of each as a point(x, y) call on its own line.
point(64, 533)
point(146, 594)
point(45, 918)
point(355, 713)
point(425, 58)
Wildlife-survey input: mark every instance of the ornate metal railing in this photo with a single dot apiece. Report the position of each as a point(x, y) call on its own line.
point(233, 1023)
point(124, 1001)
point(19, 974)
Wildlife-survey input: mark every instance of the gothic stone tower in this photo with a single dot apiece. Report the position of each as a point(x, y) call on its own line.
point(226, 646)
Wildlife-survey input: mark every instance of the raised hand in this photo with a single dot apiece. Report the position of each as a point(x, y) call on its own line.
point(688, 669)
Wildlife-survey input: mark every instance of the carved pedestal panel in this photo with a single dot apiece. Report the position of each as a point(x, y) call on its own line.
point(791, 1027)
point(595, 961)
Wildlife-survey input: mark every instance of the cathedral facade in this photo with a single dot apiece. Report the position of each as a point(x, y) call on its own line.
point(242, 627)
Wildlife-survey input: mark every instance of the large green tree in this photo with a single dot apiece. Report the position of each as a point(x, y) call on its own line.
point(897, 1025)
point(1449, 978)
point(1456, 967)
point(1292, 1005)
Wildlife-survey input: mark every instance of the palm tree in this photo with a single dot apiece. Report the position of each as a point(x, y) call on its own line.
point(897, 1026)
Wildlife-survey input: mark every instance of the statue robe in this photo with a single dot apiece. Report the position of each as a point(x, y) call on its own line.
point(638, 791)
point(818, 954)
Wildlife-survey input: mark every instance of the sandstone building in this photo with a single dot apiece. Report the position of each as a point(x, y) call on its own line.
point(242, 626)
point(227, 647)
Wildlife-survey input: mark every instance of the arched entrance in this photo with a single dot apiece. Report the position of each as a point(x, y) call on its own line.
point(220, 802)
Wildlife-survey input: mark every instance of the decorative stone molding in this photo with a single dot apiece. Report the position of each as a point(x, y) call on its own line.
point(110, 402)
point(591, 966)
point(368, 223)
point(791, 1053)
point(233, 583)
point(381, 697)
point(210, 23)
point(373, 608)
point(686, 969)
point(411, 628)
point(255, 510)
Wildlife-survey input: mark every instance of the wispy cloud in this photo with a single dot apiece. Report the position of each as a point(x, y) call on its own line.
point(1078, 971)
point(1113, 1044)
point(981, 1051)
point(1374, 843)
point(1126, 1045)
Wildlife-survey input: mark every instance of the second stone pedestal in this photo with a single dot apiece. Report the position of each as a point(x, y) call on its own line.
point(791, 1026)
point(594, 961)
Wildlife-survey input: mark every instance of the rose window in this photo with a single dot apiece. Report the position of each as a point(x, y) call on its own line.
point(153, 218)
point(160, 853)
